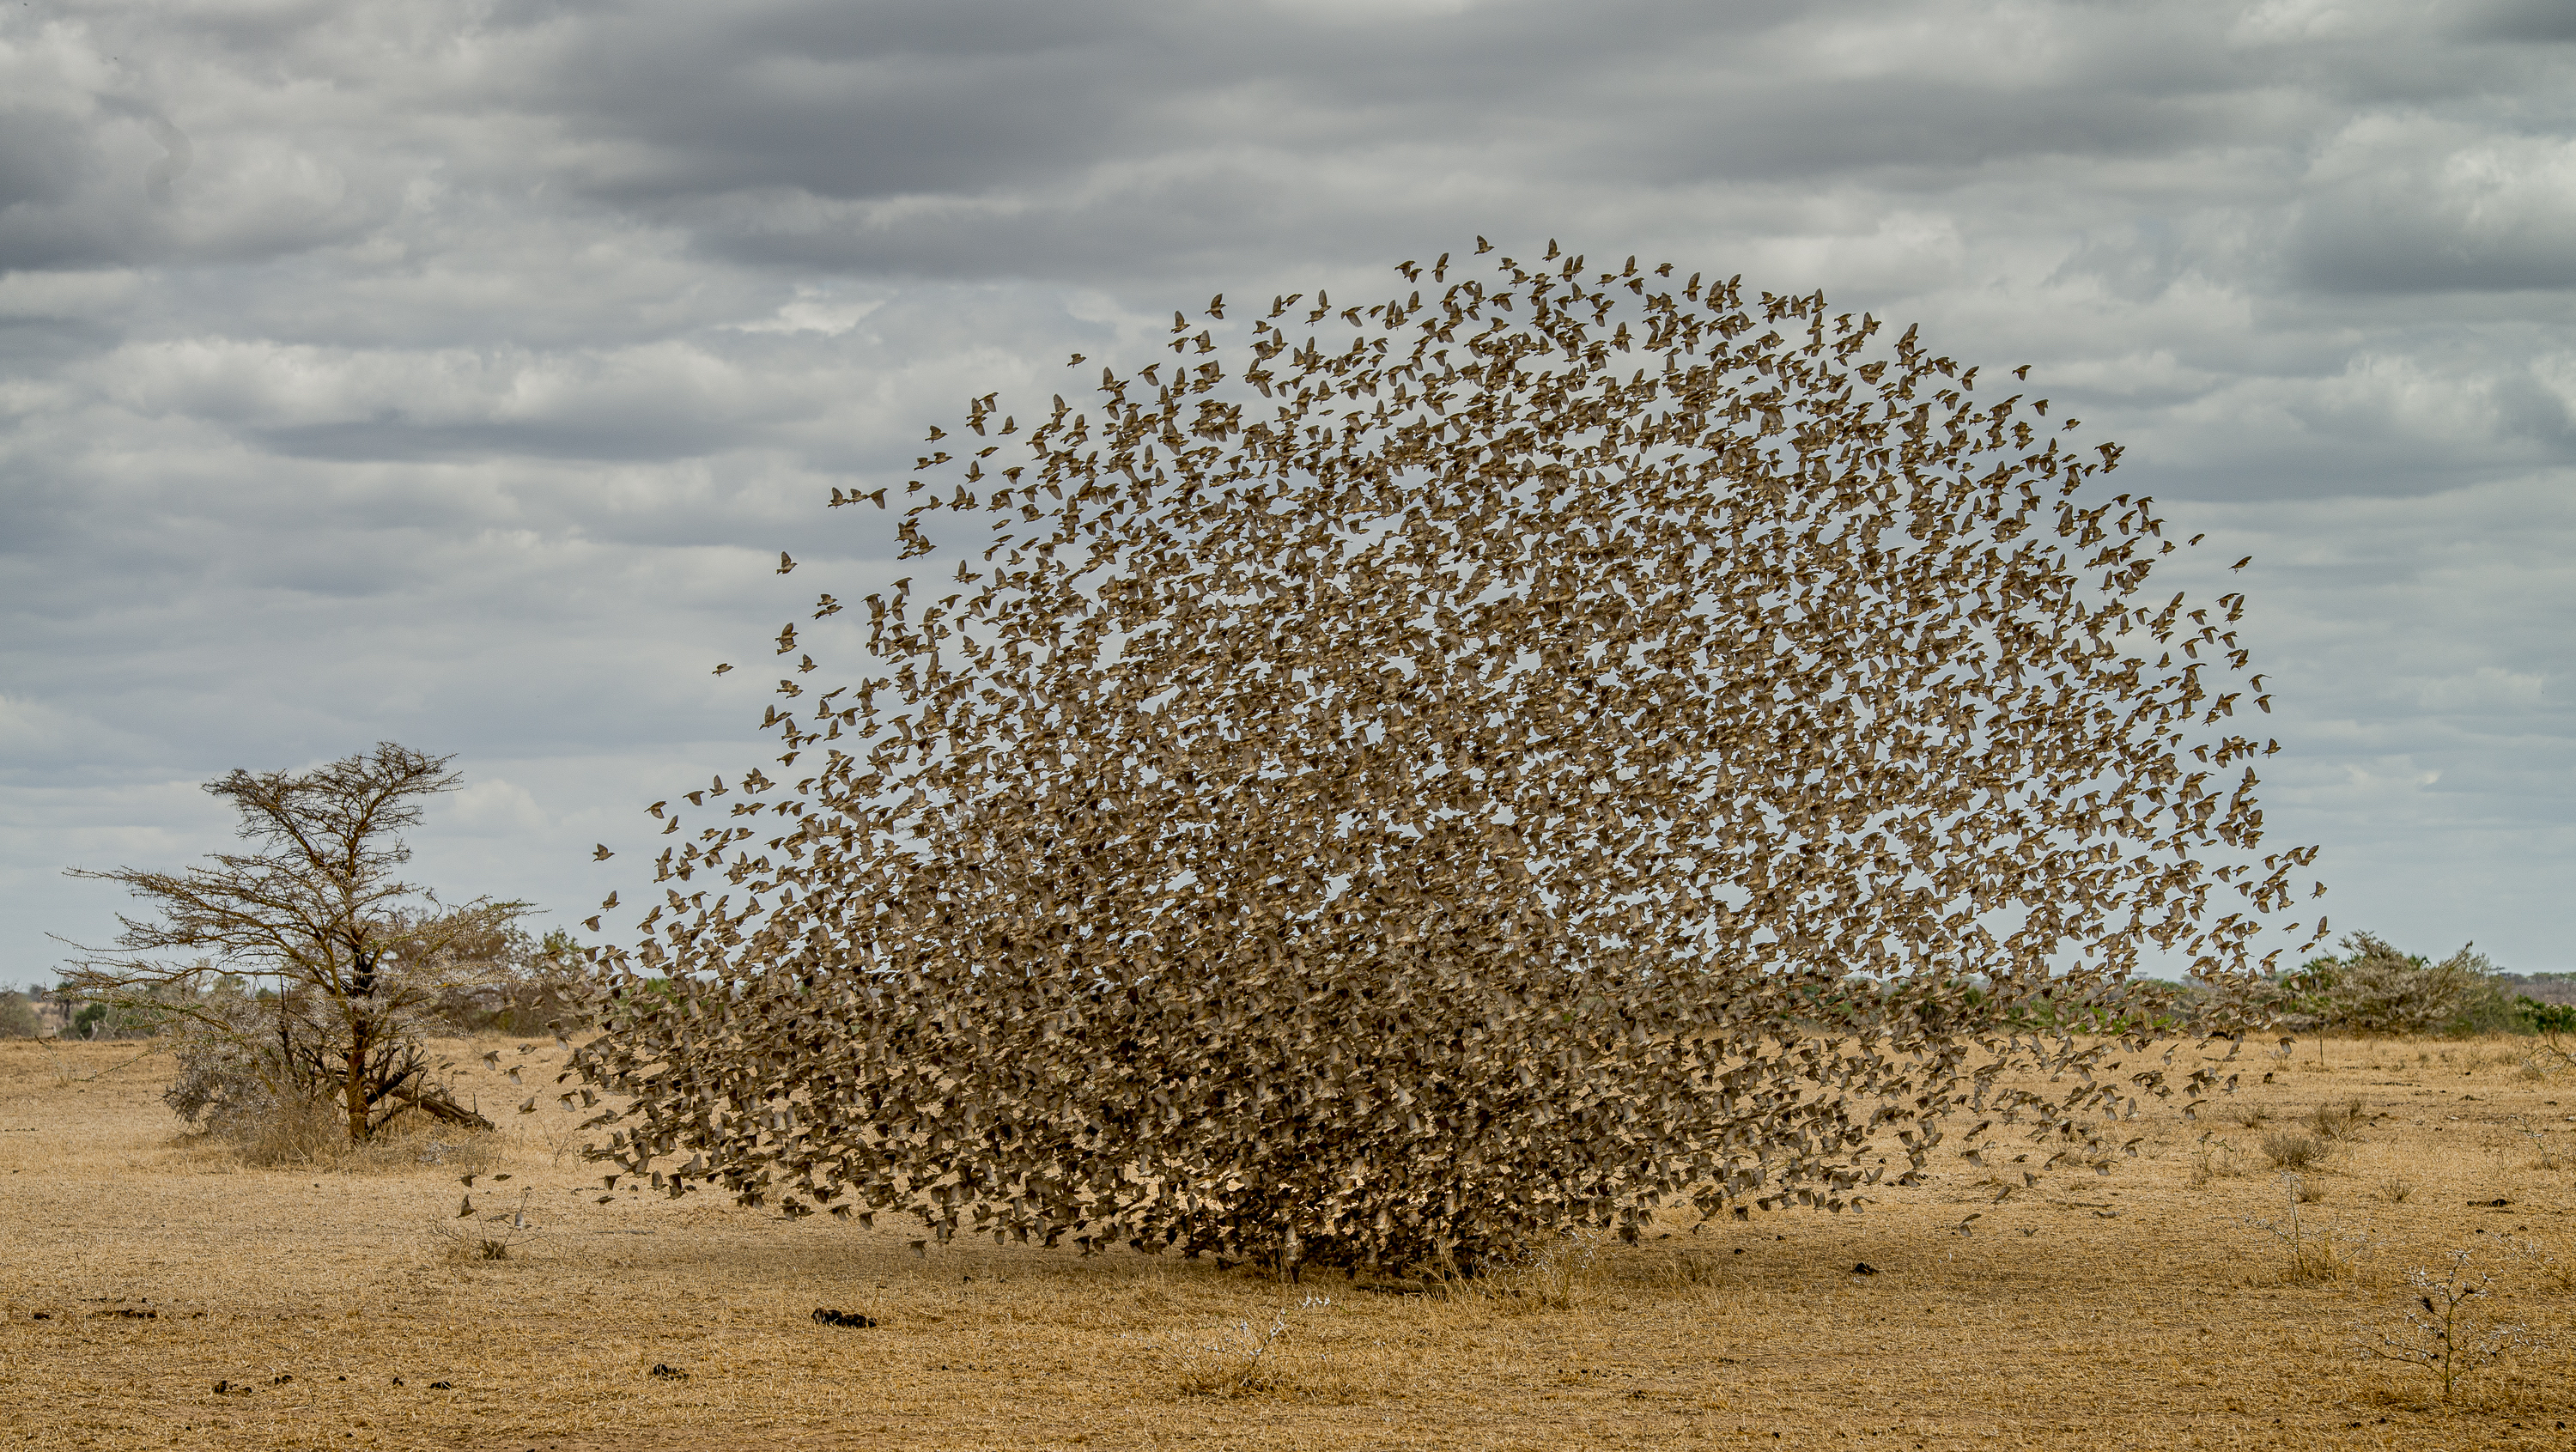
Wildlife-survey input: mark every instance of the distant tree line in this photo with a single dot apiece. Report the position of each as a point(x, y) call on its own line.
point(516, 989)
point(520, 987)
point(2370, 988)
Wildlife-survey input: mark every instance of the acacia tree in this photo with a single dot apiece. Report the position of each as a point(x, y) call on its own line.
point(353, 956)
point(1590, 744)
point(2375, 988)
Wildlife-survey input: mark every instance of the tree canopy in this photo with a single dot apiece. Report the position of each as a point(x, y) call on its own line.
point(354, 953)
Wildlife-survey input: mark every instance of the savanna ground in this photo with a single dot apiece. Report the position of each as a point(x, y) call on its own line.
point(344, 1304)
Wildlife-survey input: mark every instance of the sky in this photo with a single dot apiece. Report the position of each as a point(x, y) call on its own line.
point(453, 373)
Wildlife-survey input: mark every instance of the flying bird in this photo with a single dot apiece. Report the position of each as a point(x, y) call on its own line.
point(1539, 752)
point(600, 852)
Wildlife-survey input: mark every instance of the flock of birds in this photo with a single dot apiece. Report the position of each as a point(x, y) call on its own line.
point(1408, 780)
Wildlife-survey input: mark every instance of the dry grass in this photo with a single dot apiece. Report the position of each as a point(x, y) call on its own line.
point(343, 1301)
point(2290, 1149)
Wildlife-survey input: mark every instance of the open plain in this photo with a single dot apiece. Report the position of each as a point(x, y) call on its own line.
point(155, 1291)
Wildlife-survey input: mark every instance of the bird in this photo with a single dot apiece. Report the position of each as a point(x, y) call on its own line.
point(785, 562)
point(600, 852)
point(466, 1208)
point(721, 668)
point(2240, 564)
point(1489, 729)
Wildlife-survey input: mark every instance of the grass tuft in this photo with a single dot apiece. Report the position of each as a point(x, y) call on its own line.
point(2291, 1149)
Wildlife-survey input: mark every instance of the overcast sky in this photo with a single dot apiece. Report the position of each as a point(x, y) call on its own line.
point(452, 373)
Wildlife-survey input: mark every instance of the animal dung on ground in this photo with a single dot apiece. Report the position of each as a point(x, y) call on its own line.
point(1537, 752)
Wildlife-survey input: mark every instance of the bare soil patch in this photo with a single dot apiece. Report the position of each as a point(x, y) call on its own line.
point(156, 1293)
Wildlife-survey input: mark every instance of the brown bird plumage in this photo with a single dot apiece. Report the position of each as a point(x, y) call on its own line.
point(1532, 753)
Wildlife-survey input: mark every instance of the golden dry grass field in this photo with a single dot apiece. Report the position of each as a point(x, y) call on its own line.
point(342, 1305)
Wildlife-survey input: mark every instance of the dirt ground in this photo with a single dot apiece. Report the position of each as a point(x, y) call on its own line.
point(154, 1292)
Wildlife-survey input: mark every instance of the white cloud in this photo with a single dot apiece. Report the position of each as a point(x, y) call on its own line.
point(2483, 688)
point(817, 310)
point(492, 806)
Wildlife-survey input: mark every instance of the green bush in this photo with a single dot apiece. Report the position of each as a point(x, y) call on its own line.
point(2534, 1017)
point(2377, 989)
point(139, 1019)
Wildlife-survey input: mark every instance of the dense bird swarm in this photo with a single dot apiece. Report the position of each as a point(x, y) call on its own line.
point(1533, 752)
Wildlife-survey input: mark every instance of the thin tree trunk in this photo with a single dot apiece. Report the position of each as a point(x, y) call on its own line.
point(355, 1088)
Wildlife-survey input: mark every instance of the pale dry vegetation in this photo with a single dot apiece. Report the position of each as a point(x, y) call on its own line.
point(341, 1300)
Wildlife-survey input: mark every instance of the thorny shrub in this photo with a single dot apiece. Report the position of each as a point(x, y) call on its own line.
point(2448, 1331)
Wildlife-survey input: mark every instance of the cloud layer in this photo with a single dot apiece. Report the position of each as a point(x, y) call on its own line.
point(452, 372)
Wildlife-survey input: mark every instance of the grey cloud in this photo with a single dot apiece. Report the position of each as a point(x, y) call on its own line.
point(463, 385)
point(56, 206)
point(2517, 21)
point(946, 139)
point(394, 438)
point(2416, 206)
